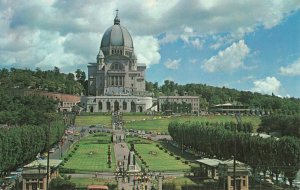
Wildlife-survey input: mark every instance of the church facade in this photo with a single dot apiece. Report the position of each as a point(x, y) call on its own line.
point(116, 82)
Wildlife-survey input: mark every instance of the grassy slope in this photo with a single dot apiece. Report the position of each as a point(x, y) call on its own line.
point(87, 120)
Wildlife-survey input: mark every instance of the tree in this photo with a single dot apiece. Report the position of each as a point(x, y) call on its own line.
point(61, 184)
point(277, 156)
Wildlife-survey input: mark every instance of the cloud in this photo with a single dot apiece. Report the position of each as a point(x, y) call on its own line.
point(267, 85)
point(190, 38)
point(147, 49)
point(292, 69)
point(168, 38)
point(173, 64)
point(49, 33)
point(193, 61)
point(229, 59)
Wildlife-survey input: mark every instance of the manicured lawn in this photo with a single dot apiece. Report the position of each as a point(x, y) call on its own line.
point(93, 120)
point(87, 120)
point(91, 154)
point(158, 160)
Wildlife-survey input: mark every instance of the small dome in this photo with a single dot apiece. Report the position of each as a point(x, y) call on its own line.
point(133, 56)
point(116, 35)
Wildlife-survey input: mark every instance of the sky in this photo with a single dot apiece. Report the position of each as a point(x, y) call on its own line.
point(249, 45)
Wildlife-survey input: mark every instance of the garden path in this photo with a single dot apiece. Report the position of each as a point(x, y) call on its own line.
point(121, 154)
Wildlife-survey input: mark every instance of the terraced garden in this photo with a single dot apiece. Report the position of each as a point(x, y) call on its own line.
point(156, 158)
point(91, 154)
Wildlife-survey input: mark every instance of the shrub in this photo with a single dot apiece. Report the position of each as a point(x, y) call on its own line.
point(171, 154)
point(66, 170)
point(177, 158)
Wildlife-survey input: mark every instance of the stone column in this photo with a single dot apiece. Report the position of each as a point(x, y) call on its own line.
point(119, 181)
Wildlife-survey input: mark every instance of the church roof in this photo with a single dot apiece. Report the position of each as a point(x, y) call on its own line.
point(116, 35)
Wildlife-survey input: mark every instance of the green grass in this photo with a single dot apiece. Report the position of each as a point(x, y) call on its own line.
point(87, 120)
point(93, 120)
point(157, 159)
point(91, 154)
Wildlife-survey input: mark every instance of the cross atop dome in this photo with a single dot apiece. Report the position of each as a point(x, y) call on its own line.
point(117, 20)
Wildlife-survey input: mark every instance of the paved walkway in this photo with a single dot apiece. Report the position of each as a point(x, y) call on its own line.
point(121, 154)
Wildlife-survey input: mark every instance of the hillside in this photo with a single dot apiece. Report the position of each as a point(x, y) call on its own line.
point(210, 95)
point(51, 80)
point(54, 81)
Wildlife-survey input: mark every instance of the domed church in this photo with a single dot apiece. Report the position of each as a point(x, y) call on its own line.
point(116, 71)
point(116, 82)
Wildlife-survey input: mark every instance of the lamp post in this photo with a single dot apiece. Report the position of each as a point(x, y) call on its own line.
point(239, 121)
point(49, 118)
point(48, 152)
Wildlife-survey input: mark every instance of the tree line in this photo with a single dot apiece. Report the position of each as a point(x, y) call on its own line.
point(25, 123)
point(285, 125)
point(277, 156)
point(246, 127)
point(210, 95)
point(20, 145)
point(50, 80)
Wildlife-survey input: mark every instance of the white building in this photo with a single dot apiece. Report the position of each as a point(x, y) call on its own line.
point(175, 102)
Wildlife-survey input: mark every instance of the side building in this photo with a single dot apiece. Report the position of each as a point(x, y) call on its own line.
point(178, 104)
point(116, 82)
point(65, 101)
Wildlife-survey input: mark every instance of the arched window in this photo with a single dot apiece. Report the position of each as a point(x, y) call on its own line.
point(116, 106)
point(117, 66)
point(133, 107)
point(124, 105)
point(99, 105)
point(108, 106)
